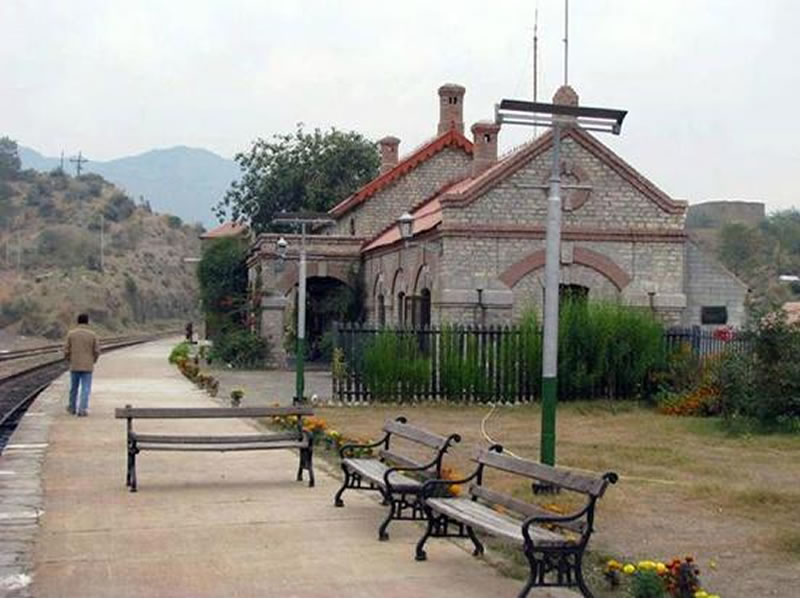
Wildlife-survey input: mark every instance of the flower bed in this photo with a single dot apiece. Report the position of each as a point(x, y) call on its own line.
point(651, 579)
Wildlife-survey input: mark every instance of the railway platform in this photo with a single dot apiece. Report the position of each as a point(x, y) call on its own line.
point(201, 524)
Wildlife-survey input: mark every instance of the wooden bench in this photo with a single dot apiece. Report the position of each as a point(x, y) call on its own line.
point(386, 474)
point(137, 442)
point(552, 543)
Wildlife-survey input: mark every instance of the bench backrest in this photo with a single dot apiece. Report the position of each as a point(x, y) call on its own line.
point(400, 428)
point(519, 506)
point(586, 484)
point(130, 412)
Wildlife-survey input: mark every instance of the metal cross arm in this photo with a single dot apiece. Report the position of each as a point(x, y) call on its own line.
point(523, 112)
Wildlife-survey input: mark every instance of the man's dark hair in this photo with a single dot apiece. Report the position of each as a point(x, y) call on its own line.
point(83, 319)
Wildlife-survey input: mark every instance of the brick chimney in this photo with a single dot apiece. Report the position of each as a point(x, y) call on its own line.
point(566, 96)
point(389, 153)
point(484, 149)
point(451, 108)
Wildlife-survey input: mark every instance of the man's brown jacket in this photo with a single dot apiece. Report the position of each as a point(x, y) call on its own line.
point(82, 349)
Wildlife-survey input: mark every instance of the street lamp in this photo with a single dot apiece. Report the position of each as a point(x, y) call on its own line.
point(406, 224)
point(301, 219)
point(556, 116)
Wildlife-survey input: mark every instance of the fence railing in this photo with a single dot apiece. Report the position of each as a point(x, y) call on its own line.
point(472, 364)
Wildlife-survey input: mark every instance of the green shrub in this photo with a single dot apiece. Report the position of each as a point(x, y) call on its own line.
point(647, 584)
point(174, 222)
point(239, 348)
point(764, 385)
point(179, 352)
point(607, 349)
point(12, 311)
point(119, 207)
point(394, 368)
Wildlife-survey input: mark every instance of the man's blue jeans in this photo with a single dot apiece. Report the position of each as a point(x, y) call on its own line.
point(84, 379)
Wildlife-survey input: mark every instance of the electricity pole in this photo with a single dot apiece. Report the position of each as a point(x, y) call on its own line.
point(79, 160)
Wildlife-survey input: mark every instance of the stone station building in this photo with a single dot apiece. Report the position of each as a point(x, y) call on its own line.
point(477, 252)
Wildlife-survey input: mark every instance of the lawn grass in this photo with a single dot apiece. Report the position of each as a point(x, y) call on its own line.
point(687, 486)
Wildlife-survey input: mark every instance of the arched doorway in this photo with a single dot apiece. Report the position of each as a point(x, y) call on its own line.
point(328, 301)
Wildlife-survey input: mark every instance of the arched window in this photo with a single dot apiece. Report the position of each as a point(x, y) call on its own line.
point(401, 309)
point(381, 311)
point(425, 308)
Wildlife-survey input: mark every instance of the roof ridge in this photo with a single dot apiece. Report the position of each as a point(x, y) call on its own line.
point(449, 138)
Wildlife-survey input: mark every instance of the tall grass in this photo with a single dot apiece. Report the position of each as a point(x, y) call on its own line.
point(605, 351)
point(394, 366)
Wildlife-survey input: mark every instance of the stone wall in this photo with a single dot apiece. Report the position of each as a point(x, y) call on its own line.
point(708, 283)
point(383, 208)
point(522, 198)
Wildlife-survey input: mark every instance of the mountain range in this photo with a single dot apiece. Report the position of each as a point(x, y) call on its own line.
point(182, 181)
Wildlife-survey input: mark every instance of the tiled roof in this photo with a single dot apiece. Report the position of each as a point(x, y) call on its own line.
point(229, 229)
point(449, 139)
point(427, 215)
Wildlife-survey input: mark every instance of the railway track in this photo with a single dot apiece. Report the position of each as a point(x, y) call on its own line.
point(19, 388)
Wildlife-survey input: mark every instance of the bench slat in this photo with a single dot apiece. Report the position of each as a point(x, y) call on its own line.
point(212, 412)
point(523, 508)
point(221, 448)
point(215, 439)
point(373, 470)
point(485, 518)
point(559, 477)
point(415, 434)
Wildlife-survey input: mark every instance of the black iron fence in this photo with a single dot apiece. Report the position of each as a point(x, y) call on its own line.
point(475, 364)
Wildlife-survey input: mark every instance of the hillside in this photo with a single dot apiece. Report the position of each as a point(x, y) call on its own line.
point(758, 248)
point(182, 181)
point(51, 265)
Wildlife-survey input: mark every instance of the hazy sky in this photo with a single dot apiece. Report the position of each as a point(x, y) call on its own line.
point(710, 85)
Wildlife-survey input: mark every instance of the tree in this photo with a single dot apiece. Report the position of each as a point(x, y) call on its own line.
point(222, 276)
point(10, 163)
point(739, 247)
point(298, 171)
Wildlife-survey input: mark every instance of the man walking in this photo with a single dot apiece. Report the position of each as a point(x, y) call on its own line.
point(81, 350)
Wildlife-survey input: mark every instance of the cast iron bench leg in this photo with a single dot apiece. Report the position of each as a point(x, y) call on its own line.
point(475, 541)
point(383, 535)
point(133, 470)
point(310, 466)
point(420, 550)
point(337, 499)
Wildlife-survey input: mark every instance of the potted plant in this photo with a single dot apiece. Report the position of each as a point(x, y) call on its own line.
point(236, 397)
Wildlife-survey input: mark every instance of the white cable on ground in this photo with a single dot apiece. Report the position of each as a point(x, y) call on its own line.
point(488, 438)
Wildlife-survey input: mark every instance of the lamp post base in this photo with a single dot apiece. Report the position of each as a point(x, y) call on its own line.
point(300, 384)
point(547, 453)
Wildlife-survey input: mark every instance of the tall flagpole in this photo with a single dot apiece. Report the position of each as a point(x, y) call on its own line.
point(536, 60)
point(566, 42)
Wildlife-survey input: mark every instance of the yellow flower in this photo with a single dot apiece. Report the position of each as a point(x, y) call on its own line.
point(661, 568)
point(613, 565)
point(701, 594)
point(646, 565)
point(629, 569)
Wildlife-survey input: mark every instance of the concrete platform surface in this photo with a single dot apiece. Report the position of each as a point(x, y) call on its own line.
point(201, 524)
